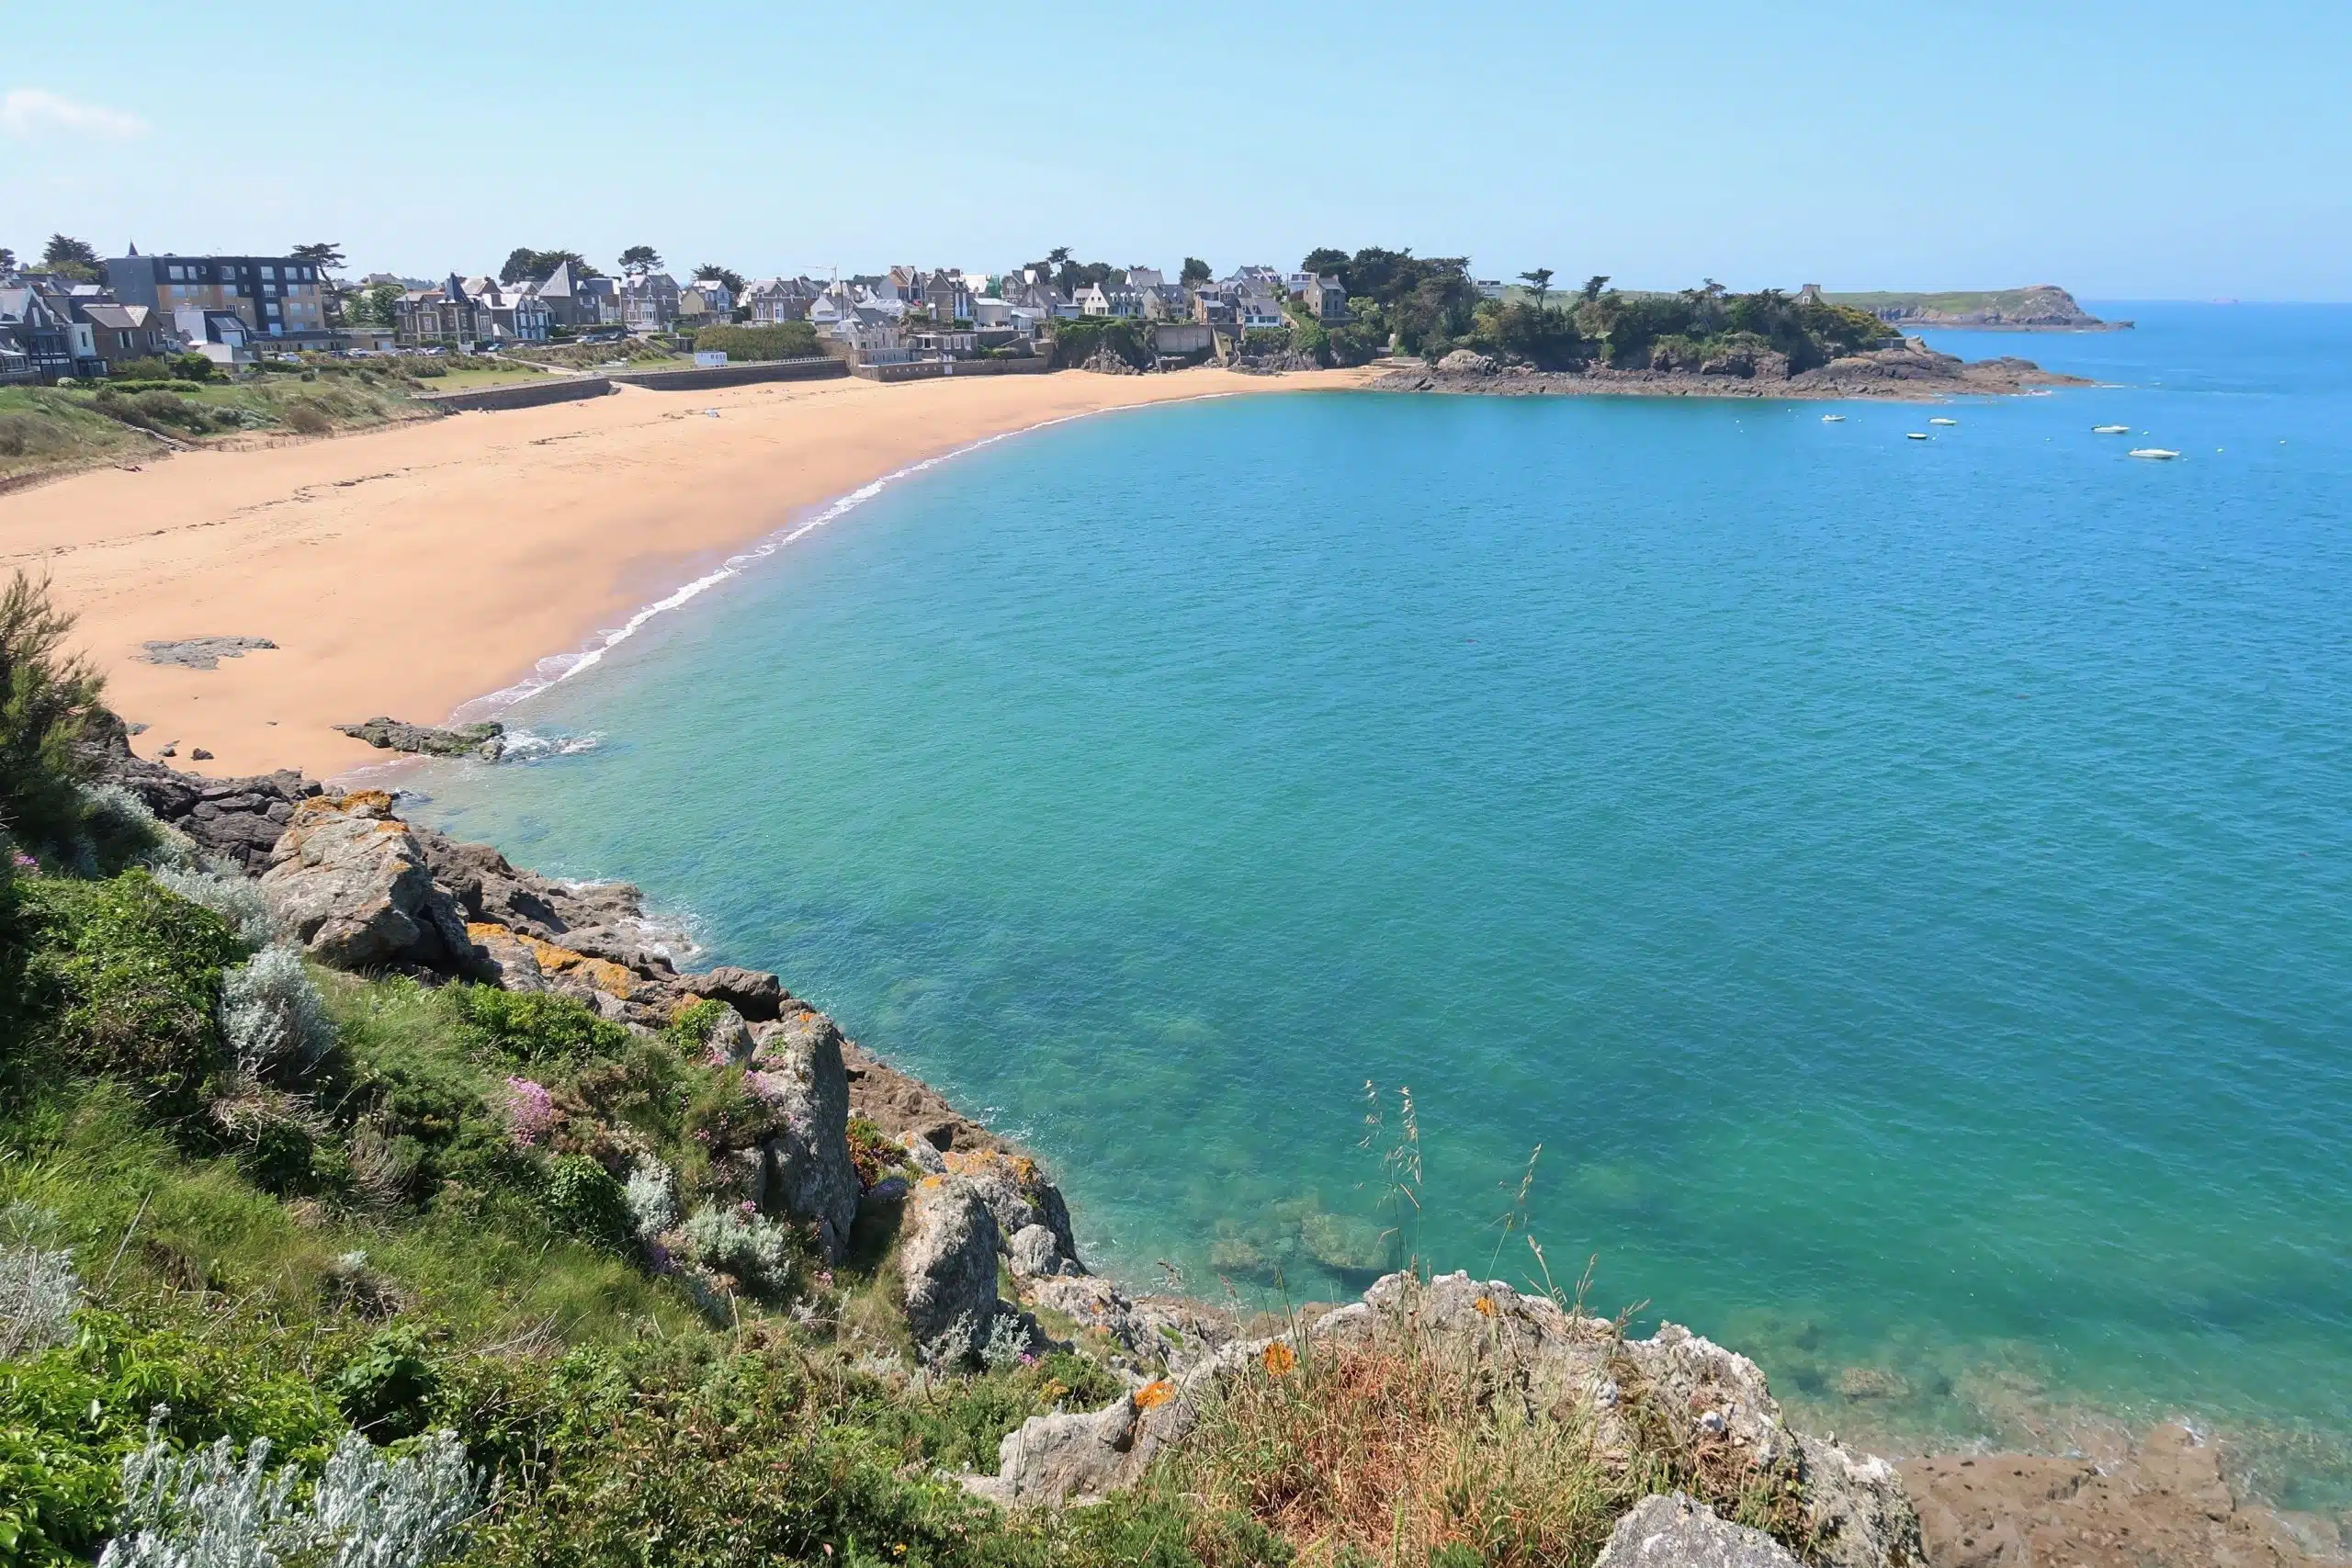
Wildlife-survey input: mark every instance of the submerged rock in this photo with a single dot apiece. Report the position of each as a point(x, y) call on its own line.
point(484, 741)
point(1678, 1531)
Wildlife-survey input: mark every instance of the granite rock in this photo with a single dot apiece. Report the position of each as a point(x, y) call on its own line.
point(795, 1066)
point(948, 1246)
point(349, 881)
point(1676, 1531)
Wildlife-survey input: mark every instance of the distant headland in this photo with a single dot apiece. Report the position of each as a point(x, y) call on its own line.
point(2037, 307)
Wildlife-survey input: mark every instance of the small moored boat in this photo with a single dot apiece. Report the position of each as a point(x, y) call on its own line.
point(1832, 419)
point(1915, 436)
point(2111, 430)
point(1943, 422)
point(2158, 453)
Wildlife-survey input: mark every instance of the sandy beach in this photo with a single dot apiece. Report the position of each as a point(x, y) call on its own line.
point(409, 571)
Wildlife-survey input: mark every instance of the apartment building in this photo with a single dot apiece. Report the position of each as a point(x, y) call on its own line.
point(278, 296)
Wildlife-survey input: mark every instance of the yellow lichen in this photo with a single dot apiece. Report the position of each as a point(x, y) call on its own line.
point(1486, 1307)
point(1155, 1394)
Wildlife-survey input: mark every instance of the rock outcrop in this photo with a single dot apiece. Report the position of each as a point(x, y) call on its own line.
point(795, 1066)
point(1676, 1531)
point(349, 881)
point(487, 741)
point(237, 820)
point(1019, 1199)
point(948, 1246)
point(1528, 1351)
point(1907, 369)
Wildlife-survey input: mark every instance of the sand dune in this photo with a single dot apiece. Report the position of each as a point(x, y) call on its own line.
point(408, 571)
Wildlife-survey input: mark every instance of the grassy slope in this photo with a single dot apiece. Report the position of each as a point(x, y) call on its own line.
point(47, 429)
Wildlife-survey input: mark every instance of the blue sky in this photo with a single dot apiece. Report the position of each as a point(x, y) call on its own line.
point(2153, 150)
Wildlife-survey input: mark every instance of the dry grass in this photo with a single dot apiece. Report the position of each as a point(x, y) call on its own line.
point(1406, 1449)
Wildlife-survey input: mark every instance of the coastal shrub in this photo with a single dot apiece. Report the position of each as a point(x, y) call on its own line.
point(1077, 339)
point(49, 699)
point(221, 1506)
point(422, 1115)
point(652, 1200)
point(232, 897)
point(532, 1027)
point(272, 1017)
point(39, 1292)
point(736, 1239)
point(307, 419)
point(69, 1417)
point(386, 1390)
point(133, 974)
point(874, 1153)
point(582, 1200)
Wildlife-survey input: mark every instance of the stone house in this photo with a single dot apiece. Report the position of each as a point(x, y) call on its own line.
point(1258, 312)
point(121, 332)
point(706, 301)
point(774, 299)
point(648, 301)
point(946, 297)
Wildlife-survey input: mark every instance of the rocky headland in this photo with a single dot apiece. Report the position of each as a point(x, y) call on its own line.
point(2037, 307)
point(985, 1248)
point(1911, 372)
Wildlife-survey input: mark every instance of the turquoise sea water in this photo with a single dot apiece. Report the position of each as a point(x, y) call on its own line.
point(1905, 887)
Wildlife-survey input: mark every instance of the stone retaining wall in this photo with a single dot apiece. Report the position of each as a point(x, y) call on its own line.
point(699, 381)
point(521, 394)
point(932, 370)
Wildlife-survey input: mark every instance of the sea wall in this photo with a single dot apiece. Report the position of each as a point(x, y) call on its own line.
point(701, 379)
point(521, 395)
point(932, 369)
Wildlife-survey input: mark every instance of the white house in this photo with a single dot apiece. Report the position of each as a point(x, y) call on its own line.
point(1254, 313)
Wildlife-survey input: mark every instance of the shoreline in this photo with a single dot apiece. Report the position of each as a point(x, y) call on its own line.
point(425, 567)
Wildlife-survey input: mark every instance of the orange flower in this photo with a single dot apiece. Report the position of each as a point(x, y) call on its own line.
point(1155, 1394)
point(1279, 1358)
point(1485, 1305)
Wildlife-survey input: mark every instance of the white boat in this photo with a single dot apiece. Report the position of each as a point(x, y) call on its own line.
point(2111, 430)
point(1915, 436)
point(2159, 453)
point(1832, 419)
point(1943, 422)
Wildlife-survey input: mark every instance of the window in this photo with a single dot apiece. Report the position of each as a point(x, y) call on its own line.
point(270, 272)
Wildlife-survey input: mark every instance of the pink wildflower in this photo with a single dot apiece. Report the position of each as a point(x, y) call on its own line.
point(747, 1208)
point(530, 1111)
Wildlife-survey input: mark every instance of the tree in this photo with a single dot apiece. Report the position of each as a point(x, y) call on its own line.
point(1057, 256)
point(1540, 280)
point(7, 262)
point(69, 258)
point(325, 255)
point(1594, 285)
point(726, 274)
point(1325, 260)
point(1196, 272)
point(526, 265)
point(640, 258)
point(379, 305)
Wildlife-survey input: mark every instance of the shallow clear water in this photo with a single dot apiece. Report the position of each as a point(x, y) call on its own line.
point(1903, 885)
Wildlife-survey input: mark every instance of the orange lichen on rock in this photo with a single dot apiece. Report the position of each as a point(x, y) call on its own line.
point(1154, 1394)
point(612, 978)
point(1277, 1358)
